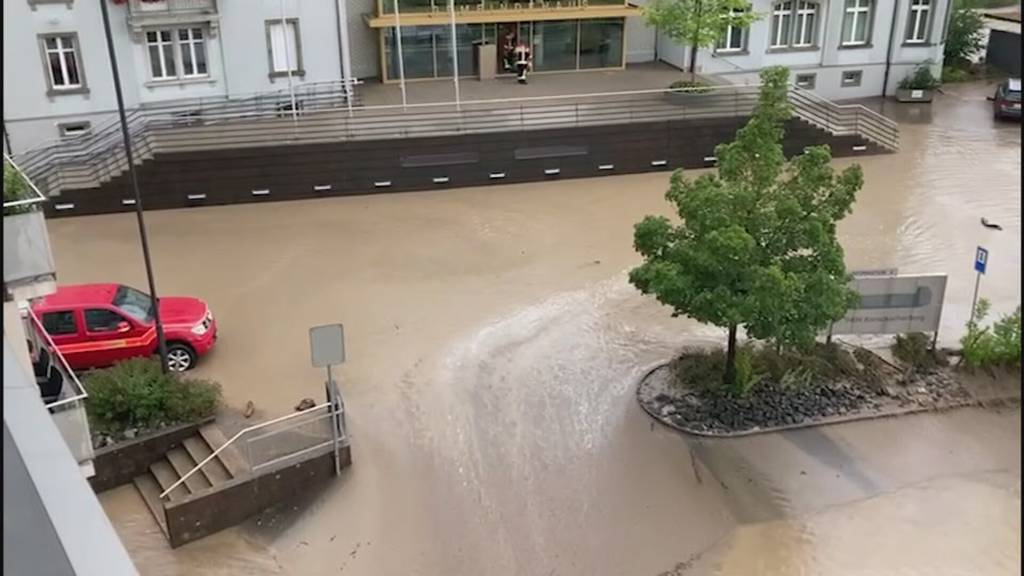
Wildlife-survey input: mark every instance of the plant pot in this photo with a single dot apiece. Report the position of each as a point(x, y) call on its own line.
point(911, 95)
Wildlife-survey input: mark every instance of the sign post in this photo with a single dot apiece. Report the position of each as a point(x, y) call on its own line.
point(980, 264)
point(327, 349)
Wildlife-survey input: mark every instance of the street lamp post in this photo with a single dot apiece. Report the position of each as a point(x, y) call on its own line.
point(154, 301)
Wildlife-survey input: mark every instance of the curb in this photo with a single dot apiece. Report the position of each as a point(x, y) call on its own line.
point(828, 421)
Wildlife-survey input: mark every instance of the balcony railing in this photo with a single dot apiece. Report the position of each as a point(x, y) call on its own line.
point(63, 393)
point(171, 6)
point(28, 261)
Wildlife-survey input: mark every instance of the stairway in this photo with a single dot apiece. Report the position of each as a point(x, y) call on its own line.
point(228, 465)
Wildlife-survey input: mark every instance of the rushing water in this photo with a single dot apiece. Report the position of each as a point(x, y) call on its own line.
point(494, 345)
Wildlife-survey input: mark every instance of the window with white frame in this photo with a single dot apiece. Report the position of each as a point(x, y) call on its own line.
point(806, 20)
point(917, 23)
point(177, 53)
point(782, 18)
point(161, 54)
point(192, 46)
point(856, 22)
point(283, 46)
point(62, 62)
point(734, 38)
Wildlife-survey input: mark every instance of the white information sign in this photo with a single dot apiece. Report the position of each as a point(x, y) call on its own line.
point(895, 305)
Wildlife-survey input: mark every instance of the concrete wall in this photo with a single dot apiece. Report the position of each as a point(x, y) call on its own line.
point(119, 464)
point(203, 514)
point(291, 172)
point(52, 520)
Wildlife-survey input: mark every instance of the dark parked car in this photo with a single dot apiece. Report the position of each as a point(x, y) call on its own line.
point(1006, 103)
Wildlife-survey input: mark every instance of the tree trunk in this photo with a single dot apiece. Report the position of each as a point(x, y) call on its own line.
point(693, 45)
point(730, 358)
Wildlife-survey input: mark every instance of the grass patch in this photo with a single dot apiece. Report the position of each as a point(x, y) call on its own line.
point(136, 394)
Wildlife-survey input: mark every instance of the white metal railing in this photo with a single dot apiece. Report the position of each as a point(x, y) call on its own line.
point(251, 430)
point(324, 113)
point(68, 410)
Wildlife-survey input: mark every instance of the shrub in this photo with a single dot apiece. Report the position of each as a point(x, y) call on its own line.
point(996, 346)
point(137, 394)
point(951, 75)
point(914, 349)
point(15, 188)
point(964, 36)
point(921, 79)
point(691, 86)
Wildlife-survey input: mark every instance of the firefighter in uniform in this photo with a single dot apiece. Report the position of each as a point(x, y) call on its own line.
point(522, 61)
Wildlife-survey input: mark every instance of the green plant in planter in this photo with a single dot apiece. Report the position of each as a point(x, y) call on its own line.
point(690, 86)
point(15, 188)
point(137, 394)
point(921, 79)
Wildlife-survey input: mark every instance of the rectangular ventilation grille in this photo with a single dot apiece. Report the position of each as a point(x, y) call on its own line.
point(553, 171)
point(659, 162)
point(497, 175)
point(261, 192)
point(197, 196)
point(321, 188)
point(128, 202)
point(382, 184)
point(67, 206)
point(441, 180)
point(606, 167)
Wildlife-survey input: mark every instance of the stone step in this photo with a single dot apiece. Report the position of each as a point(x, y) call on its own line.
point(230, 457)
point(183, 464)
point(166, 477)
point(214, 470)
point(150, 491)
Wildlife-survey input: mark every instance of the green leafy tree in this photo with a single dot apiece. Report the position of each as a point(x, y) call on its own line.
point(963, 37)
point(698, 23)
point(757, 244)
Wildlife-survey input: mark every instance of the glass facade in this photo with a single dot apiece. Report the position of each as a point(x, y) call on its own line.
point(557, 45)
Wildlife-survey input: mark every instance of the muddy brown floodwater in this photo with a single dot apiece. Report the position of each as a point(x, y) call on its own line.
point(493, 348)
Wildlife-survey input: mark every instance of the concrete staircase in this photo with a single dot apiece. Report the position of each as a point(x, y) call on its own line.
point(228, 465)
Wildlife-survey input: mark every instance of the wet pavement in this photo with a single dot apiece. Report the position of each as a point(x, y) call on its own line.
point(494, 345)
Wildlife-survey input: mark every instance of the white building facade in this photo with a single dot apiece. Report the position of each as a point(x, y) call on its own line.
point(57, 78)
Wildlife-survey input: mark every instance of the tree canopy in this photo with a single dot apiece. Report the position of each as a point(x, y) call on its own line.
point(698, 23)
point(756, 246)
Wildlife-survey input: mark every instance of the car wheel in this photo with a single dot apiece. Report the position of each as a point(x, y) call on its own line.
point(180, 357)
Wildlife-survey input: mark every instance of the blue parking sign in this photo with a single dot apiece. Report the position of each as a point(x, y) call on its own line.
point(980, 260)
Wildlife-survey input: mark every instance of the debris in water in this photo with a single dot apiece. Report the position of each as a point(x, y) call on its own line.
point(990, 225)
point(305, 404)
point(249, 409)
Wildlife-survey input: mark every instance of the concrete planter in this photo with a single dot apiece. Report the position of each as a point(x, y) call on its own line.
point(909, 95)
point(119, 463)
point(688, 98)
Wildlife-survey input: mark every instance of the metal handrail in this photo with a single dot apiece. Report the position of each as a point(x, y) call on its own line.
point(82, 394)
point(232, 440)
point(39, 197)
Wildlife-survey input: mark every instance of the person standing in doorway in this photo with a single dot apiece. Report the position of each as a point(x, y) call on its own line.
point(509, 50)
point(522, 61)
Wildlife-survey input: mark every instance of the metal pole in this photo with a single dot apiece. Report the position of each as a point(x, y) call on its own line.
point(332, 397)
point(288, 65)
point(7, 140)
point(154, 301)
point(455, 54)
point(974, 301)
point(346, 58)
point(401, 55)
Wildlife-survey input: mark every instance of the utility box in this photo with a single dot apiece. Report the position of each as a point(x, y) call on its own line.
point(485, 60)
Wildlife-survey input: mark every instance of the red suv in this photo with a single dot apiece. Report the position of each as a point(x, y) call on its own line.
point(95, 325)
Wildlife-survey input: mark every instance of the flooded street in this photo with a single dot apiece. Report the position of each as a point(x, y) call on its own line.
point(493, 347)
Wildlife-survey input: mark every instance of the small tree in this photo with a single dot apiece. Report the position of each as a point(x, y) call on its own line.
point(698, 23)
point(964, 37)
point(757, 245)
